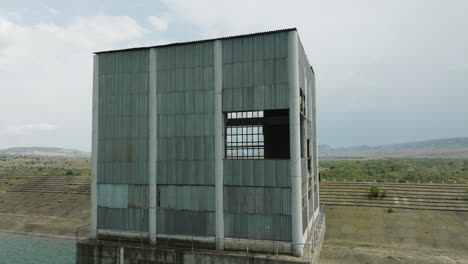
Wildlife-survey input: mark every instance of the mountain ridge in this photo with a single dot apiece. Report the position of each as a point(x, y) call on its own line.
point(44, 151)
point(435, 148)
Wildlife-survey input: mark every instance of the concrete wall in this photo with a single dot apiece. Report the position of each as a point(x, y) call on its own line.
point(90, 253)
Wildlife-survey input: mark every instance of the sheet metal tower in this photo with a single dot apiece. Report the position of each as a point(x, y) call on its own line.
point(213, 138)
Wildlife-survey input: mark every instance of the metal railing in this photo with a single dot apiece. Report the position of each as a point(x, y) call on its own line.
point(201, 243)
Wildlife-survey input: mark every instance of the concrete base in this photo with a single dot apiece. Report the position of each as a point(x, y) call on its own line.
point(91, 251)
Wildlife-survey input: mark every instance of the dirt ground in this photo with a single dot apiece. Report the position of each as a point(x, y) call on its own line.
point(43, 214)
point(373, 235)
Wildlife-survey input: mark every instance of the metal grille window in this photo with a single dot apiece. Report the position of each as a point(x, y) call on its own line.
point(257, 134)
point(245, 142)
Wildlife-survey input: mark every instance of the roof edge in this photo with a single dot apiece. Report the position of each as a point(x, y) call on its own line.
point(198, 41)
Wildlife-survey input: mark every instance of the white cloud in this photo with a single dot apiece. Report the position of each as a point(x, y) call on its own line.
point(158, 23)
point(46, 74)
point(51, 10)
point(29, 129)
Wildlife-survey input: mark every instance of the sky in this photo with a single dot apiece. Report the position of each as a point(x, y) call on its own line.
point(387, 71)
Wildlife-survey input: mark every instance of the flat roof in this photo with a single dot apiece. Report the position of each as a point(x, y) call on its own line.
point(198, 41)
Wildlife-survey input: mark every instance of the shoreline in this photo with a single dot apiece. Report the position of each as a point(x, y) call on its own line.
point(36, 234)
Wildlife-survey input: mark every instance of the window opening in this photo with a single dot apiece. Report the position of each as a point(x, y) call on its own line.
point(257, 134)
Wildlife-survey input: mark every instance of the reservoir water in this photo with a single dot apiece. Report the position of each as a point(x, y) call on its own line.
point(24, 249)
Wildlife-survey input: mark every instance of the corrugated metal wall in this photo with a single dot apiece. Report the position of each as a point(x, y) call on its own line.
point(257, 194)
point(123, 141)
point(255, 73)
point(307, 85)
point(185, 139)
point(273, 173)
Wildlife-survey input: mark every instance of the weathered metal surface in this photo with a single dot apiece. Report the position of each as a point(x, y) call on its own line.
point(123, 118)
point(181, 222)
point(272, 227)
point(254, 73)
point(112, 195)
point(134, 219)
point(273, 173)
point(257, 200)
point(187, 197)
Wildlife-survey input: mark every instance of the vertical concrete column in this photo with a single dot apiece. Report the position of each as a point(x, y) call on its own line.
point(218, 144)
point(152, 133)
point(295, 148)
point(94, 147)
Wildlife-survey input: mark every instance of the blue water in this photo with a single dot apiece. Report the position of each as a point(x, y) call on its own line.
point(23, 249)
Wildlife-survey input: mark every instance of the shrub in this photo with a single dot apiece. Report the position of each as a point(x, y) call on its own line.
point(69, 172)
point(383, 193)
point(374, 192)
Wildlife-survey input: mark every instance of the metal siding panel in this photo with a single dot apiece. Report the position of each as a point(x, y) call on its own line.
point(237, 75)
point(180, 126)
point(209, 102)
point(247, 49)
point(227, 51)
point(247, 172)
point(188, 79)
point(198, 53)
point(259, 98)
point(113, 195)
point(179, 103)
point(227, 100)
point(198, 78)
point(258, 47)
point(269, 46)
point(248, 98)
point(237, 99)
point(247, 74)
point(208, 78)
point(258, 72)
point(237, 46)
point(199, 102)
point(227, 75)
point(269, 71)
point(208, 54)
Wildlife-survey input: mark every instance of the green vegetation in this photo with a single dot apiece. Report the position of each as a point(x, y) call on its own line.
point(11, 166)
point(401, 170)
point(375, 192)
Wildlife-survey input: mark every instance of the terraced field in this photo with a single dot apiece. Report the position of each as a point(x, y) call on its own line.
point(53, 184)
point(422, 196)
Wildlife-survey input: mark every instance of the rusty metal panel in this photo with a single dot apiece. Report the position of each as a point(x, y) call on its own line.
point(138, 196)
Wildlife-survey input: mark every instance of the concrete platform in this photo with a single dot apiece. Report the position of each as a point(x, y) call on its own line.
point(102, 252)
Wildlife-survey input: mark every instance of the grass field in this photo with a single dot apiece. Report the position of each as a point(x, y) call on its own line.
point(412, 170)
point(12, 166)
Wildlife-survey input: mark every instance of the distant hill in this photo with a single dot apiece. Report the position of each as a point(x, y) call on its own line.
point(438, 148)
point(44, 151)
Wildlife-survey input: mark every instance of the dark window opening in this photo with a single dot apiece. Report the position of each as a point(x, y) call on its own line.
point(302, 104)
point(257, 134)
point(309, 160)
point(158, 197)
